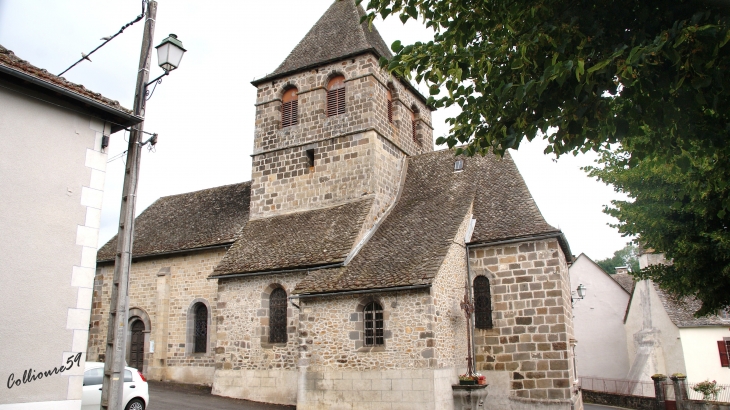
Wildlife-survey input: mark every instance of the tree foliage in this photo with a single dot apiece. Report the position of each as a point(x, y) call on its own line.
point(626, 256)
point(649, 76)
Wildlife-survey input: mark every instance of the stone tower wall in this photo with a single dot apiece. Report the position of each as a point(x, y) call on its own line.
point(530, 344)
point(356, 153)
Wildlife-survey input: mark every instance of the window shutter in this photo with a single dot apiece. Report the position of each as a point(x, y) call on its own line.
point(335, 102)
point(723, 348)
point(413, 131)
point(390, 111)
point(289, 114)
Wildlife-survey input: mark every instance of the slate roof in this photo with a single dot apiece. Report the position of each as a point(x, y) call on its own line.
point(188, 221)
point(681, 312)
point(297, 240)
point(624, 280)
point(10, 60)
point(410, 245)
point(337, 34)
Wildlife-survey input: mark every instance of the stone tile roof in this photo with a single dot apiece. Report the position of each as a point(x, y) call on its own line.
point(337, 34)
point(624, 280)
point(198, 219)
point(297, 240)
point(10, 60)
point(681, 312)
point(411, 243)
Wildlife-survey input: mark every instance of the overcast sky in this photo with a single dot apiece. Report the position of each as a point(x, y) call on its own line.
point(204, 112)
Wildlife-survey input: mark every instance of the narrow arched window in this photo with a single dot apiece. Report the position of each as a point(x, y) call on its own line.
point(336, 96)
point(482, 303)
point(373, 318)
point(290, 108)
point(277, 316)
point(200, 329)
point(414, 122)
point(389, 96)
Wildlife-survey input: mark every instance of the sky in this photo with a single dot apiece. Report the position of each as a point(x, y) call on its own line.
point(204, 111)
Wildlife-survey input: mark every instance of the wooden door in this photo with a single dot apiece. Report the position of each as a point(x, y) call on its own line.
point(136, 356)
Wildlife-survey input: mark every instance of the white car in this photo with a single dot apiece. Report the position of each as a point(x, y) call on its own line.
point(136, 396)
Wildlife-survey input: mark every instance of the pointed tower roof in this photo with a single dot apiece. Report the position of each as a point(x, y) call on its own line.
point(337, 35)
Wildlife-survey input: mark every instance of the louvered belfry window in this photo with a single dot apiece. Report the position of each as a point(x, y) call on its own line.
point(200, 329)
point(390, 106)
point(336, 96)
point(482, 303)
point(277, 316)
point(373, 318)
point(290, 108)
point(414, 121)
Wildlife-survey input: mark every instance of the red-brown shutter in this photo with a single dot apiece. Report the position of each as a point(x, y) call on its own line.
point(289, 113)
point(413, 130)
point(390, 111)
point(335, 102)
point(724, 359)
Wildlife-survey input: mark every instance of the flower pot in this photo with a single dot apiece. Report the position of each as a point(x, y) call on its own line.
point(467, 382)
point(481, 382)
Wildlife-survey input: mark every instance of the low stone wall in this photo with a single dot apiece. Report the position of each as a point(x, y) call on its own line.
point(701, 405)
point(277, 386)
point(619, 400)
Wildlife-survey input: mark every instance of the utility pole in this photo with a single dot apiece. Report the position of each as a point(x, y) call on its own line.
point(116, 346)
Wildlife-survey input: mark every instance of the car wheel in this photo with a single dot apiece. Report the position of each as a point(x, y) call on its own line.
point(135, 404)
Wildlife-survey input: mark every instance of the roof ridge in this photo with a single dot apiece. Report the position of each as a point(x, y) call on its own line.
point(204, 189)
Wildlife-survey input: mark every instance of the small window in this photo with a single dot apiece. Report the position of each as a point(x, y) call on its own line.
point(128, 376)
point(277, 316)
point(389, 96)
point(373, 318)
point(336, 96)
point(200, 329)
point(94, 376)
point(310, 158)
point(459, 165)
point(482, 303)
point(290, 108)
point(724, 348)
point(414, 123)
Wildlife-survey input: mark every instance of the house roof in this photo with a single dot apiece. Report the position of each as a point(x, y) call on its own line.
point(188, 221)
point(297, 240)
point(337, 34)
point(411, 243)
point(22, 70)
point(681, 312)
point(625, 280)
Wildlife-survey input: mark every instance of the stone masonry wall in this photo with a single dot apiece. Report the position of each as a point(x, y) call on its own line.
point(182, 279)
point(356, 153)
point(532, 316)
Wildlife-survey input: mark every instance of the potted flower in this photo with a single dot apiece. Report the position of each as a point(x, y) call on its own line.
point(709, 389)
point(467, 380)
point(481, 379)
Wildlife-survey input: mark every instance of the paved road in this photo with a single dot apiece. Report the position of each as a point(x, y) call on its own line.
point(173, 396)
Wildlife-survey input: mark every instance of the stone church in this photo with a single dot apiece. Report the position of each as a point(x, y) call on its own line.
point(332, 279)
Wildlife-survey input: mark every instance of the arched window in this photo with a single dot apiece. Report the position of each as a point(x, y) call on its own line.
point(414, 122)
point(277, 316)
point(373, 318)
point(482, 303)
point(290, 108)
point(336, 96)
point(389, 96)
point(200, 329)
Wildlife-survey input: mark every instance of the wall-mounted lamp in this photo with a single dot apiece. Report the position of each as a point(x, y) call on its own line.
point(580, 291)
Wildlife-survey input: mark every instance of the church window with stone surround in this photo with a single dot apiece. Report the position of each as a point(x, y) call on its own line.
point(290, 108)
point(336, 96)
point(390, 106)
point(200, 329)
point(277, 316)
point(373, 318)
point(482, 303)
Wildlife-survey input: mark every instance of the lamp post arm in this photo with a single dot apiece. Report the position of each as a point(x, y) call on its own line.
point(158, 80)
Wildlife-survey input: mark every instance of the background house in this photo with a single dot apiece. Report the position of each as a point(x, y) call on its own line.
point(598, 318)
point(52, 168)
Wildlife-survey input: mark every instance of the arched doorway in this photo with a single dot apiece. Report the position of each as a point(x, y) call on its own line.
point(136, 353)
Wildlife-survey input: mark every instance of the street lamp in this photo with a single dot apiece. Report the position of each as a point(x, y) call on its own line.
point(169, 53)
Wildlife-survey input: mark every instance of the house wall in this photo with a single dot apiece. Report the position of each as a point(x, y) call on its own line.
point(163, 289)
point(599, 322)
point(356, 153)
point(51, 187)
point(699, 345)
point(529, 348)
point(653, 341)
